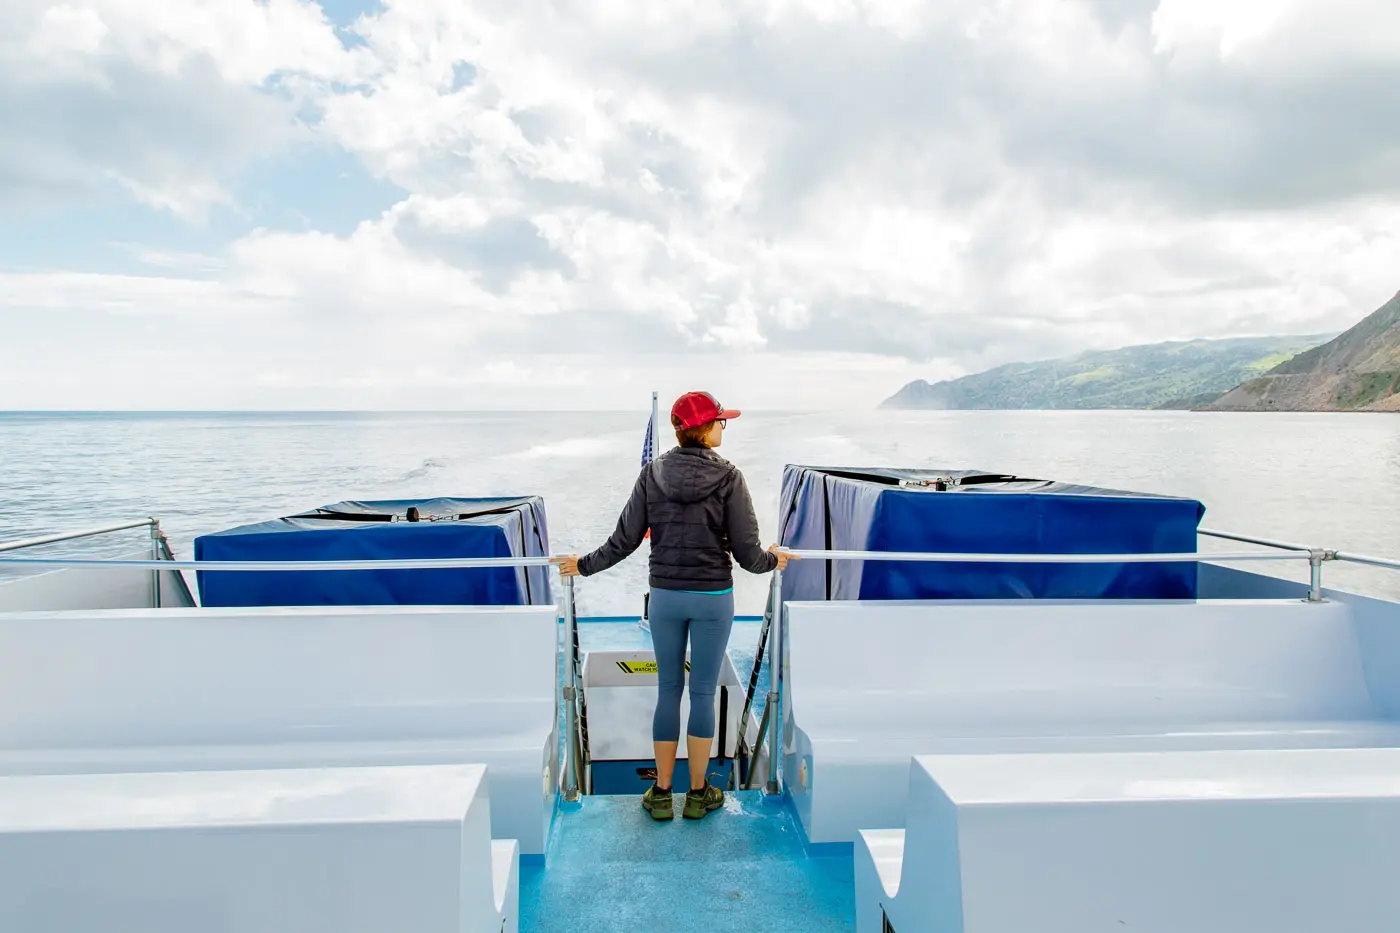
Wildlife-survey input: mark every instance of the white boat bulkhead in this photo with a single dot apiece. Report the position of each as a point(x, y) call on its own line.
point(998, 704)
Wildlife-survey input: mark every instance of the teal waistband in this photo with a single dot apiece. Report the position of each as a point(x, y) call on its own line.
point(708, 592)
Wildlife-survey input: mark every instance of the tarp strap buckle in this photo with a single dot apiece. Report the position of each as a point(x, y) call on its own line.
point(940, 483)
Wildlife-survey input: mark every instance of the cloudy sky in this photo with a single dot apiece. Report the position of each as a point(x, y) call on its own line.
point(546, 203)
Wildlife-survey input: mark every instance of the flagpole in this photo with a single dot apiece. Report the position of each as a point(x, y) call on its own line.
point(653, 448)
point(656, 427)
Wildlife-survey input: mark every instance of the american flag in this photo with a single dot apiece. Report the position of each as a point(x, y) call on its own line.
point(646, 451)
point(647, 444)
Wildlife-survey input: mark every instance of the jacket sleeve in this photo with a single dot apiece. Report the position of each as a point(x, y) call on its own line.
point(742, 525)
point(626, 537)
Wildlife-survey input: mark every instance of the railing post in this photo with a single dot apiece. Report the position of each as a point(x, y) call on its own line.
point(741, 747)
point(774, 712)
point(157, 538)
point(1316, 558)
point(570, 694)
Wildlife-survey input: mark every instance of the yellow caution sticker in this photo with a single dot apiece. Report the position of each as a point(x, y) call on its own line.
point(643, 667)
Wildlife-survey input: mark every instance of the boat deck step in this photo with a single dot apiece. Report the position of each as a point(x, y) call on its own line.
point(742, 868)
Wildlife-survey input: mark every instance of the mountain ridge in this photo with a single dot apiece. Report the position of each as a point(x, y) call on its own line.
point(1173, 374)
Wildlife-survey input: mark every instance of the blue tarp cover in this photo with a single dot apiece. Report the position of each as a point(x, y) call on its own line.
point(498, 527)
point(860, 509)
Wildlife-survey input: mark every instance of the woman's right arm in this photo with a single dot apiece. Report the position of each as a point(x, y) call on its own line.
point(631, 530)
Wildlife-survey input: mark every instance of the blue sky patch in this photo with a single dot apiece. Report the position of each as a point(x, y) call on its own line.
point(343, 13)
point(315, 186)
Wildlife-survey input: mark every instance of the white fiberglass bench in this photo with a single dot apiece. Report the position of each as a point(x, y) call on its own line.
point(233, 689)
point(354, 850)
point(1277, 840)
point(873, 683)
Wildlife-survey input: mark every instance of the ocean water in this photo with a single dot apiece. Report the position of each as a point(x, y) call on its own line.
point(1327, 480)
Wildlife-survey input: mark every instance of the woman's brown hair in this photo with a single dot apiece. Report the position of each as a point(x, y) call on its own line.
point(691, 437)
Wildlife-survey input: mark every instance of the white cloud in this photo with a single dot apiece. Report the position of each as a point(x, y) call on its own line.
point(57, 293)
point(1296, 35)
point(733, 184)
point(165, 99)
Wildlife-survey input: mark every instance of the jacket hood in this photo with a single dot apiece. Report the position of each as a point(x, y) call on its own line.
point(689, 474)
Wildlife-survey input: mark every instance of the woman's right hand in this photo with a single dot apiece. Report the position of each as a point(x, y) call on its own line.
point(568, 566)
point(782, 555)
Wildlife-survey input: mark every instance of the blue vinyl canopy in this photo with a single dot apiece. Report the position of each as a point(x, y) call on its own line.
point(397, 529)
point(969, 511)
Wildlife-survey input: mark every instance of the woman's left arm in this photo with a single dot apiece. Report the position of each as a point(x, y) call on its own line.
point(626, 537)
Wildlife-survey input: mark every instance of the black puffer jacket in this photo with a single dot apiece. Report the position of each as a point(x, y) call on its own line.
point(698, 508)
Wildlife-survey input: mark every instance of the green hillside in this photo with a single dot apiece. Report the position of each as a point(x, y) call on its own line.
point(1179, 374)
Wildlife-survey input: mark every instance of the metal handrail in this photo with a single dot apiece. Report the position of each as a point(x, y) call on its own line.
point(773, 709)
point(576, 780)
point(1366, 559)
point(569, 691)
point(440, 563)
point(771, 728)
point(75, 535)
point(977, 558)
point(576, 776)
point(1249, 539)
point(1317, 556)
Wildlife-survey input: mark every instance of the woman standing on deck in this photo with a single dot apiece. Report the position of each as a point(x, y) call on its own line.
point(699, 511)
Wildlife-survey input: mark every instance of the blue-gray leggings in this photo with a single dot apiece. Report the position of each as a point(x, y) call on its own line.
point(706, 618)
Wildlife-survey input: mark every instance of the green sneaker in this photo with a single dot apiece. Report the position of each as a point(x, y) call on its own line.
point(700, 802)
point(660, 804)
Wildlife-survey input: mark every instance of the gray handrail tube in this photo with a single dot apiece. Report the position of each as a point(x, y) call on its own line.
point(1366, 559)
point(1249, 539)
point(977, 558)
point(774, 705)
point(75, 535)
point(741, 741)
point(753, 758)
point(570, 692)
point(441, 563)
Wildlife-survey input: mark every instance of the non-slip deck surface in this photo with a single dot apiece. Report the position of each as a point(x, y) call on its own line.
point(743, 868)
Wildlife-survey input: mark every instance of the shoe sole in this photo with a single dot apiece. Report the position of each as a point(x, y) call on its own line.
point(659, 814)
point(703, 813)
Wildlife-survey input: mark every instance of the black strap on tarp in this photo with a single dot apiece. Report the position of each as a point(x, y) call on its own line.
point(886, 479)
point(347, 516)
point(390, 516)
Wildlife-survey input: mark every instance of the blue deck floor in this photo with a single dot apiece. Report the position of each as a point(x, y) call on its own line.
point(612, 868)
point(743, 868)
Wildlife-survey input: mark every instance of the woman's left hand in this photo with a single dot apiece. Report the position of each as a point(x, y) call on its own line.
point(568, 566)
point(782, 555)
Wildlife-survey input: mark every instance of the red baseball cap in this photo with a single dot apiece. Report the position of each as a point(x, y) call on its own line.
point(696, 408)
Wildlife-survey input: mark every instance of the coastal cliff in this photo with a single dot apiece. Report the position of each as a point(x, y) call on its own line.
point(1357, 371)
